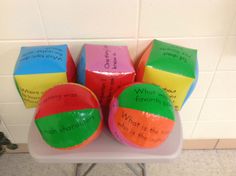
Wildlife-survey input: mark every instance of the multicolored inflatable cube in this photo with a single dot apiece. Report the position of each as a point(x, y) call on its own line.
point(39, 68)
point(104, 69)
point(141, 115)
point(172, 67)
point(69, 116)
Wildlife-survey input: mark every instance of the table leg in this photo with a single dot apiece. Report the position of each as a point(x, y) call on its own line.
point(86, 172)
point(133, 169)
point(77, 166)
point(144, 170)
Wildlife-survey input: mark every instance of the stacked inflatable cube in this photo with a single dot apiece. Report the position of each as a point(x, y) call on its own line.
point(39, 68)
point(104, 69)
point(172, 67)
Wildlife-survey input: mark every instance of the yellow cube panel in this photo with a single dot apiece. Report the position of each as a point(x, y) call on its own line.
point(176, 86)
point(31, 87)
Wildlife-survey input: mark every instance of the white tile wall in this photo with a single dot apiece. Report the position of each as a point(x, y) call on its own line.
point(20, 20)
point(191, 110)
point(233, 29)
point(16, 113)
point(209, 26)
point(188, 129)
point(219, 110)
point(228, 61)
point(214, 130)
point(89, 19)
point(174, 18)
point(4, 129)
point(8, 91)
point(19, 133)
point(224, 85)
point(204, 81)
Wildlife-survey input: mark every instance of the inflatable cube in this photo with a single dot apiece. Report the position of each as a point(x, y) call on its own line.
point(172, 67)
point(39, 68)
point(141, 115)
point(68, 116)
point(104, 69)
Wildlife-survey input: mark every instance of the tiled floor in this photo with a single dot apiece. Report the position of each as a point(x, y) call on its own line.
point(190, 163)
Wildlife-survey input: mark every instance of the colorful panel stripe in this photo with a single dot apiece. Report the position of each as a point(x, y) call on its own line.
point(193, 85)
point(141, 128)
point(71, 68)
point(142, 63)
point(32, 87)
point(172, 58)
point(41, 59)
point(79, 97)
point(81, 67)
point(176, 86)
point(69, 129)
point(148, 98)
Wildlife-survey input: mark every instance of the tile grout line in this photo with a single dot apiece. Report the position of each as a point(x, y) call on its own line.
point(210, 121)
point(219, 99)
point(42, 22)
point(21, 40)
point(99, 39)
point(214, 75)
point(217, 142)
point(138, 27)
point(185, 37)
point(207, 92)
point(226, 40)
point(10, 103)
point(68, 39)
point(8, 131)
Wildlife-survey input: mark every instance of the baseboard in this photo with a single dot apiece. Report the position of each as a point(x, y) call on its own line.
point(22, 148)
point(188, 144)
point(192, 144)
point(226, 144)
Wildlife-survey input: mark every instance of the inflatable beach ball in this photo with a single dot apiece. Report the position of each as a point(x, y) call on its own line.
point(172, 67)
point(68, 116)
point(141, 115)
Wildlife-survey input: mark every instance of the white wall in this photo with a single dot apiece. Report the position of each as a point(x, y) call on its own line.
point(208, 25)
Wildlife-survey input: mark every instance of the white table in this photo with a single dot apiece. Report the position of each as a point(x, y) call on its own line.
point(105, 149)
